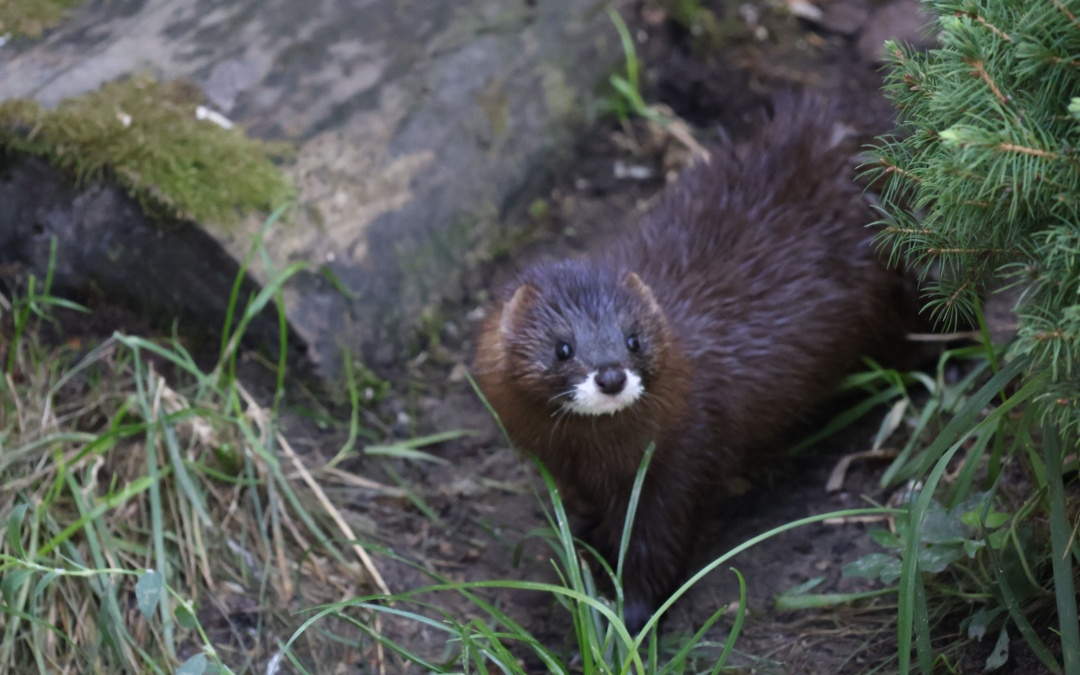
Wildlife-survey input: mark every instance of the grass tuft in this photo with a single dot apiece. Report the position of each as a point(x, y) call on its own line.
point(152, 517)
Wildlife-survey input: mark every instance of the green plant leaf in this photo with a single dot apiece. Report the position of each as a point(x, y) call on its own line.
point(196, 665)
point(1000, 654)
point(994, 519)
point(14, 529)
point(941, 527)
point(885, 538)
point(12, 583)
point(874, 565)
point(937, 558)
point(148, 592)
point(185, 618)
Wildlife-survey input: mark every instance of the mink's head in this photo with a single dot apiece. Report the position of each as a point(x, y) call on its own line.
point(581, 338)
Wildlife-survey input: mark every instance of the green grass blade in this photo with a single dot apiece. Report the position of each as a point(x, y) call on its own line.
point(1060, 536)
point(736, 626)
point(938, 456)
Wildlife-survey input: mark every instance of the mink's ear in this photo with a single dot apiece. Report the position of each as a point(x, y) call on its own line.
point(516, 307)
point(634, 283)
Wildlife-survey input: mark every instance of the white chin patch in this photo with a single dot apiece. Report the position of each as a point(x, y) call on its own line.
point(589, 400)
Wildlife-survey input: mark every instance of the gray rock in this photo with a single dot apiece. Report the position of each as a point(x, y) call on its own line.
point(417, 123)
point(108, 245)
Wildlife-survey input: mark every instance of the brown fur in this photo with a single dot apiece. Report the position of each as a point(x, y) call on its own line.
point(754, 287)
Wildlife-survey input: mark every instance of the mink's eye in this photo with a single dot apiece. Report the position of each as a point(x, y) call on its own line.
point(563, 350)
point(633, 343)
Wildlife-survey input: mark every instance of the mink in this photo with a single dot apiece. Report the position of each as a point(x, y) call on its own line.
point(733, 309)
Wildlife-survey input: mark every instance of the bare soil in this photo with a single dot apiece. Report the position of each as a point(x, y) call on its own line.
point(487, 496)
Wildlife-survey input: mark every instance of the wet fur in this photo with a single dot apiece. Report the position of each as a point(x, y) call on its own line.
point(756, 287)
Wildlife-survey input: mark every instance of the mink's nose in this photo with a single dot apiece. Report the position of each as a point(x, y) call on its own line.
point(611, 380)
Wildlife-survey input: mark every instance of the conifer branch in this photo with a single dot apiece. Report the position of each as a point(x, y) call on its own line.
point(981, 252)
point(959, 291)
point(892, 168)
point(997, 31)
point(1010, 147)
point(1066, 12)
point(1057, 60)
point(980, 71)
point(980, 166)
point(1051, 335)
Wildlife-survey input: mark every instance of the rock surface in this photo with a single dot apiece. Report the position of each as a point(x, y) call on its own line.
point(106, 244)
point(416, 125)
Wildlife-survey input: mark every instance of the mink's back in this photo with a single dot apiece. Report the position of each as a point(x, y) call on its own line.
point(766, 275)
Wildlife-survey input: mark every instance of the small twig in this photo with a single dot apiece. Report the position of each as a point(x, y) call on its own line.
point(1010, 147)
point(15, 398)
point(977, 251)
point(908, 230)
point(954, 296)
point(997, 31)
point(943, 337)
point(284, 578)
point(347, 478)
point(849, 520)
point(980, 70)
point(1047, 336)
point(892, 168)
point(1057, 60)
point(839, 472)
point(1066, 12)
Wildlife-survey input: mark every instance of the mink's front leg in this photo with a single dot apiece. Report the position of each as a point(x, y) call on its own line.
point(658, 554)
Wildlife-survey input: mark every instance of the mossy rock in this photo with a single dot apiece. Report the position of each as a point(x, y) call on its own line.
point(30, 18)
point(147, 136)
point(414, 134)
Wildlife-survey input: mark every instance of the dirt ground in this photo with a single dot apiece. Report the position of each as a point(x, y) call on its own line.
point(485, 495)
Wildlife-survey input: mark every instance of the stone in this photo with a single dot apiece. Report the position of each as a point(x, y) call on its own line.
point(107, 245)
point(416, 124)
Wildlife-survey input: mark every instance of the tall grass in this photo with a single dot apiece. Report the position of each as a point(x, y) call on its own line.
point(153, 519)
point(988, 531)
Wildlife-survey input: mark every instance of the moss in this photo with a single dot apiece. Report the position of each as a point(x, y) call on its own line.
point(30, 18)
point(145, 135)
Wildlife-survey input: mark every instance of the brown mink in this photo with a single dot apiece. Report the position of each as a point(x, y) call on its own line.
point(741, 300)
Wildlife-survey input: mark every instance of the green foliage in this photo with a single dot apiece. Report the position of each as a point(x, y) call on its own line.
point(627, 98)
point(983, 180)
point(146, 136)
point(975, 542)
point(30, 18)
point(144, 500)
point(982, 184)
